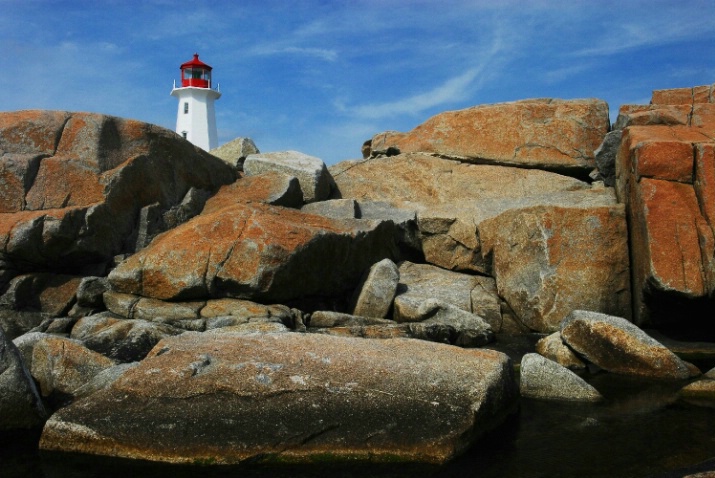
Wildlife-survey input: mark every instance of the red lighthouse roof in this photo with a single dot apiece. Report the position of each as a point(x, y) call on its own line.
point(195, 73)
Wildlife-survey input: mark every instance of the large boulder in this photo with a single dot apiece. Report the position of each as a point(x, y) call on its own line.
point(312, 174)
point(665, 174)
point(257, 252)
point(20, 402)
point(551, 134)
point(51, 294)
point(548, 261)
point(616, 345)
point(72, 185)
point(223, 398)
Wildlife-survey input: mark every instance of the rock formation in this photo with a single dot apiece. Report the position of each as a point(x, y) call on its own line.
point(339, 313)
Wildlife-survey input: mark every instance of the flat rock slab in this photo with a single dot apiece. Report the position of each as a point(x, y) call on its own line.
point(560, 135)
point(224, 398)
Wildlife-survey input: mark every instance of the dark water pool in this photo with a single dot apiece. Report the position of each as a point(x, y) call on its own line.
point(641, 430)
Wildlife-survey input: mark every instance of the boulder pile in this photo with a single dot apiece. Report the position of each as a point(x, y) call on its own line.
point(345, 312)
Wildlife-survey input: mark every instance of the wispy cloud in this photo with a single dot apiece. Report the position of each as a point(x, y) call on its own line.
point(326, 54)
point(450, 91)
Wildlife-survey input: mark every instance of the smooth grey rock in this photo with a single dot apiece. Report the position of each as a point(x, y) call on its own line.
point(618, 346)
point(545, 379)
point(235, 152)
point(377, 290)
point(290, 397)
point(313, 176)
point(475, 294)
point(443, 322)
point(335, 208)
point(20, 404)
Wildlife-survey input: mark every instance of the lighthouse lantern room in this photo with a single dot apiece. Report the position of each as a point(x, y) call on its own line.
point(196, 116)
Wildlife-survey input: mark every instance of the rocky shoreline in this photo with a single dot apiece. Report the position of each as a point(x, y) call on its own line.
point(165, 304)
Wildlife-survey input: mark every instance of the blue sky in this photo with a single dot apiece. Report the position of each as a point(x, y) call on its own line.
point(322, 76)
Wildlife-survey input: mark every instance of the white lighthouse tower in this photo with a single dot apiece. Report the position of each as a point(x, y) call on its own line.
point(196, 117)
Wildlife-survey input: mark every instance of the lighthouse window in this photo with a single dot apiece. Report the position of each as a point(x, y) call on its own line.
point(186, 107)
point(184, 134)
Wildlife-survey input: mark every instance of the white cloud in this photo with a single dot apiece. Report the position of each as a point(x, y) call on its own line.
point(450, 91)
point(326, 54)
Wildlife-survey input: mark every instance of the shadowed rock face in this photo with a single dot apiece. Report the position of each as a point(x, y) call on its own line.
point(72, 184)
point(665, 174)
point(291, 397)
point(550, 134)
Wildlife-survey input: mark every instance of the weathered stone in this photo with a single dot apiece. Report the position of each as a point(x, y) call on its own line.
point(618, 346)
point(20, 402)
point(551, 134)
point(255, 251)
point(126, 340)
point(335, 208)
point(377, 290)
point(52, 294)
point(649, 115)
point(192, 205)
point(120, 304)
point(553, 348)
point(545, 379)
point(684, 96)
point(26, 343)
point(373, 331)
point(443, 322)
point(271, 187)
point(475, 294)
point(256, 326)
point(91, 290)
point(102, 379)
point(606, 156)
point(291, 397)
point(235, 152)
point(151, 309)
point(327, 318)
point(62, 365)
point(95, 174)
point(312, 174)
point(405, 221)
point(16, 323)
point(549, 261)
point(451, 236)
point(245, 309)
point(699, 390)
point(417, 181)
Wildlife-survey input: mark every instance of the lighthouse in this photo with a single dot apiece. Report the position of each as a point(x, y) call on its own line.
point(196, 116)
